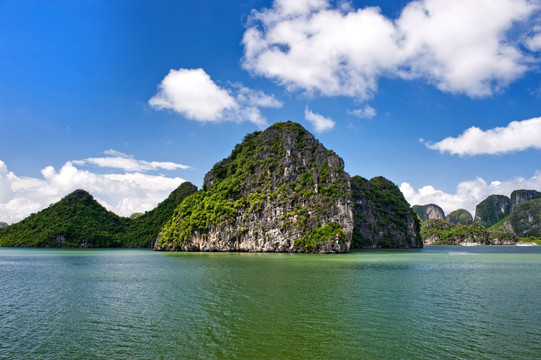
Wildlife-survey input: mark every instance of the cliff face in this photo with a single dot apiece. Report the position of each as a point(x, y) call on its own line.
point(429, 212)
point(491, 210)
point(459, 217)
point(525, 220)
point(280, 190)
point(521, 196)
point(441, 232)
point(383, 218)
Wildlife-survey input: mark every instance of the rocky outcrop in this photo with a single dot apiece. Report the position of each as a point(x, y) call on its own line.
point(383, 218)
point(521, 196)
point(459, 217)
point(441, 232)
point(280, 190)
point(492, 209)
point(429, 212)
point(525, 220)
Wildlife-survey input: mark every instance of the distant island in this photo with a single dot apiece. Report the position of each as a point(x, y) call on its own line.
point(280, 190)
point(498, 220)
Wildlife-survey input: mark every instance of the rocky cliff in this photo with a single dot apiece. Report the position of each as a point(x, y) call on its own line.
point(525, 220)
point(429, 212)
point(441, 232)
point(280, 190)
point(383, 218)
point(521, 196)
point(491, 210)
point(459, 217)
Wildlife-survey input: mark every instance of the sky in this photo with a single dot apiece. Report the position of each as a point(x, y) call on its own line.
point(127, 99)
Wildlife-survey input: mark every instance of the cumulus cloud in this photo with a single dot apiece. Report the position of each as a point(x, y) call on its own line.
point(193, 94)
point(123, 193)
point(460, 46)
point(517, 136)
point(320, 122)
point(122, 161)
point(468, 193)
point(366, 112)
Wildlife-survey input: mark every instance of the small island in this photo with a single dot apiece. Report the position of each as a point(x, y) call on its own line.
point(498, 220)
point(280, 190)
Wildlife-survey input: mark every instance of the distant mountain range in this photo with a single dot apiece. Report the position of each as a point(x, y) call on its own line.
point(498, 219)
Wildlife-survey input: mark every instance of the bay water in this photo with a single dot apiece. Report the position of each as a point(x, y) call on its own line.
point(432, 303)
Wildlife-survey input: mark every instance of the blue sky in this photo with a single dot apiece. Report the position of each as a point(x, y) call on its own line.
point(129, 98)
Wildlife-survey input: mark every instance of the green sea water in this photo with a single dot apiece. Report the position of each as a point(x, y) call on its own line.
point(433, 303)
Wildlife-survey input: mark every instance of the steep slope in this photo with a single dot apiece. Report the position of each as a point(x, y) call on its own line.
point(525, 220)
point(441, 232)
point(459, 217)
point(279, 190)
point(75, 221)
point(521, 196)
point(383, 218)
point(142, 230)
point(429, 212)
point(491, 210)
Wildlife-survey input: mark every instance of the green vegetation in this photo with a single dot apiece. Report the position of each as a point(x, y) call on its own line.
point(382, 216)
point(429, 211)
point(525, 220)
point(460, 217)
point(79, 221)
point(530, 239)
point(441, 232)
point(317, 237)
point(282, 167)
point(520, 196)
point(3, 225)
point(76, 220)
point(492, 209)
point(142, 230)
point(135, 215)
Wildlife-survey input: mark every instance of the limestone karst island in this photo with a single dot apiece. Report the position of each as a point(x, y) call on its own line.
point(280, 190)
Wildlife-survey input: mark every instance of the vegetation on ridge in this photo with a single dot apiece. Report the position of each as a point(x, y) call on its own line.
point(76, 220)
point(382, 216)
point(460, 217)
point(283, 166)
point(80, 221)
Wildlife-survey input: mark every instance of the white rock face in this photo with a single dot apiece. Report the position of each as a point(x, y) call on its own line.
point(292, 187)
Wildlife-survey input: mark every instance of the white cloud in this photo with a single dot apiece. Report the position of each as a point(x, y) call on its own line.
point(461, 46)
point(320, 123)
point(367, 112)
point(122, 161)
point(193, 94)
point(468, 193)
point(517, 136)
point(533, 40)
point(123, 193)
